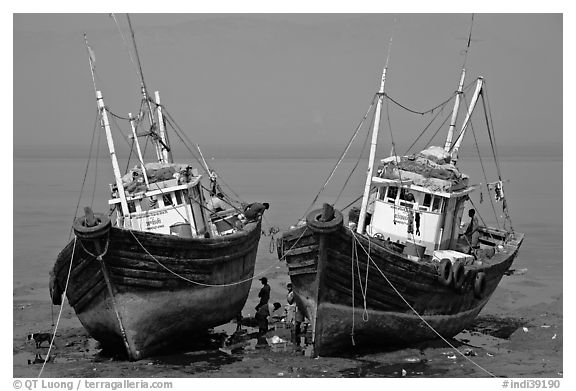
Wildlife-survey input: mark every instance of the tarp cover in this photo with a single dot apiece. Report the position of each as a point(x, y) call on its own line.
point(134, 182)
point(430, 168)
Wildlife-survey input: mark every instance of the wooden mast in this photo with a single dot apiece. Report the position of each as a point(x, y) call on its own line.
point(374, 142)
point(140, 158)
point(163, 135)
point(110, 143)
point(455, 112)
point(458, 141)
point(448, 144)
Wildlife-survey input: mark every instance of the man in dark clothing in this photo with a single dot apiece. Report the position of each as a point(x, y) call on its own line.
point(472, 233)
point(264, 293)
point(255, 210)
point(262, 315)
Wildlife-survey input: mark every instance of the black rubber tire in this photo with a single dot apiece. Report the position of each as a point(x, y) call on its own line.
point(95, 232)
point(480, 285)
point(324, 227)
point(458, 275)
point(445, 272)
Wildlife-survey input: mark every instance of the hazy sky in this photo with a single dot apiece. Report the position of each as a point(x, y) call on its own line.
point(284, 79)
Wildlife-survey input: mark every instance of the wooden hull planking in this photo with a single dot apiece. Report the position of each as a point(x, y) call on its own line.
point(326, 296)
point(157, 308)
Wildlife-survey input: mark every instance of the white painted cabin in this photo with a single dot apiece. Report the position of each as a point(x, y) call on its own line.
point(168, 208)
point(440, 214)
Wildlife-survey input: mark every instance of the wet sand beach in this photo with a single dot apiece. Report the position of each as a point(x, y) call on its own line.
point(507, 340)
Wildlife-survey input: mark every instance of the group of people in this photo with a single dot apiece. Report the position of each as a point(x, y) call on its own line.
point(265, 310)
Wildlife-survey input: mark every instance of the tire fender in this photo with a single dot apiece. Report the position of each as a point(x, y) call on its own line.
point(458, 275)
point(324, 227)
point(100, 229)
point(445, 272)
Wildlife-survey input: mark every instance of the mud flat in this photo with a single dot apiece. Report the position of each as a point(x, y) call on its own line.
point(505, 341)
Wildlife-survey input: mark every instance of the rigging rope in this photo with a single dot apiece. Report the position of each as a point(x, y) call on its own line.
point(341, 156)
point(481, 164)
point(212, 285)
point(70, 235)
point(125, 44)
point(59, 312)
point(181, 135)
point(415, 111)
point(412, 308)
point(357, 162)
point(351, 203)
point(491, 133)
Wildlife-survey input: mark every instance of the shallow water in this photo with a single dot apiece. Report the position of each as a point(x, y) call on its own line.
point(46, 193)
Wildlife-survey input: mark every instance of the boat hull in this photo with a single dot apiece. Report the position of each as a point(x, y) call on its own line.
point(150, 293)
point(385, 300)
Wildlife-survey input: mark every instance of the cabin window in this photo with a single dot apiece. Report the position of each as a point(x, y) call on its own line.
point(427, 200)
point(131, 207)
point(178, 195)
point(392, 193)
point(437, 204)
point(195, 194)
point(407, 197)
point(167, 198)
point(148, 203)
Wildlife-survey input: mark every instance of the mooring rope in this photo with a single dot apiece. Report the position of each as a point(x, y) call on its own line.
point(61, 308)
point(212, 285)
point(413, 310)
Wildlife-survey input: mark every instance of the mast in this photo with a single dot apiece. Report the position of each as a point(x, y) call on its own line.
point(157, 140)
point(374, 142)
point(448, 144)
point(473, 102)
point(110, 143)
point(163, 135)
point(455, 112)
point(140, 158)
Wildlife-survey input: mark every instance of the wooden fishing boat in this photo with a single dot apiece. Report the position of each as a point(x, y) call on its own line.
point(402, 269)
point(171, 258)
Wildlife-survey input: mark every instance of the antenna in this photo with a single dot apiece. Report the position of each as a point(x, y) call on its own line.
point(448, 144)
point(469, 41)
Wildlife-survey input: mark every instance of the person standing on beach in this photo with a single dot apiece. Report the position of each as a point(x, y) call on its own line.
point(291, 307)
point(262, 315)
point(264, 293)
point(294, 314)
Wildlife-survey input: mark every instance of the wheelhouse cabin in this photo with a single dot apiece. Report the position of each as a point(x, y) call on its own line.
point(172, 203)
point(418, 203)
